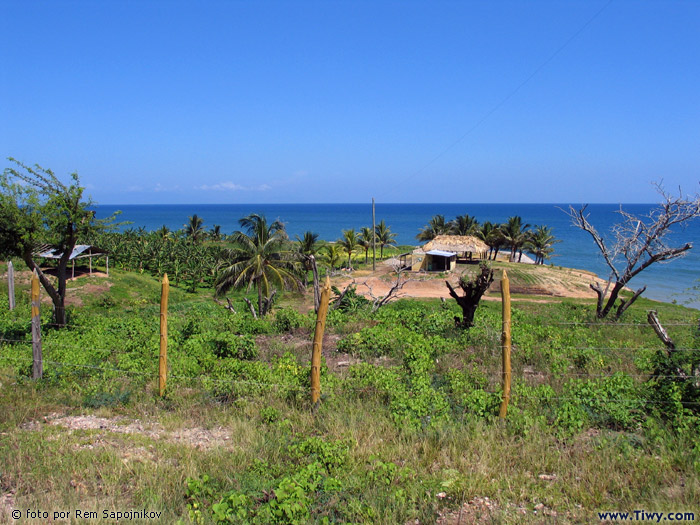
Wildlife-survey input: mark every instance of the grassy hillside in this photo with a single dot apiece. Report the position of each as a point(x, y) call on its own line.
point(406, 430)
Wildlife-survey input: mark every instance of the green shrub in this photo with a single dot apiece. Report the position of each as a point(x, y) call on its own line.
point(288, 320)
point(614, 402)
point(104, 398)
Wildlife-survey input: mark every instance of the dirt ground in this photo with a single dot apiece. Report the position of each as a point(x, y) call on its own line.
point(195, 437)
point(86, 284)
point(542, 282)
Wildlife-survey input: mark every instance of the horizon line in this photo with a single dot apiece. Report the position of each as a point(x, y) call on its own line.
point(360, 203)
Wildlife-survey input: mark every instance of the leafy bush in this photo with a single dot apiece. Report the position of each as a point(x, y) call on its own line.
point(290, 498)
point(413, 400)
point(374, 341)
point(467, 390)
point(288, 320)
point(350, 302)
point(104, 398)
point(224, 345)
point(674, 385)
point(613, 402)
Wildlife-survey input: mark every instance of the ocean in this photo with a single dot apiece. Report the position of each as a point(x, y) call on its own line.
point(670, 281)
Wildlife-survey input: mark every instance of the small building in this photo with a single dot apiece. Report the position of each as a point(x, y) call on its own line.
point(440, 254)
point(80, 251)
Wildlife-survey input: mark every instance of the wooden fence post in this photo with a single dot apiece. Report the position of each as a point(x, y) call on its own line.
point(318, 343)
point(505, 343)
point(37, 361)
point(11, 284)
point(163, 358)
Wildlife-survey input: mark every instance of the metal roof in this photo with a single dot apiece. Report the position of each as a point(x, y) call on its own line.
point(77, 251)
point(441, 253)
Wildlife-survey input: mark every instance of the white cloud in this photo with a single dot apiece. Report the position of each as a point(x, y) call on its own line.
point(232, 186)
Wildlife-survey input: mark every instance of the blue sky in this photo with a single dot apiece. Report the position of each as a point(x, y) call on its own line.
point(265, 102)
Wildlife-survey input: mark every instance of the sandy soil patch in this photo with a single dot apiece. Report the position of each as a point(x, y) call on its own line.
point(484, 510)
point(538, 281)
point(196, 437)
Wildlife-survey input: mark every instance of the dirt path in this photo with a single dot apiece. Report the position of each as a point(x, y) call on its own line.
point(196, 437)
point(543, 283)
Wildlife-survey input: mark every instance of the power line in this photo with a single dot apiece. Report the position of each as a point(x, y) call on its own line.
point(510, 95)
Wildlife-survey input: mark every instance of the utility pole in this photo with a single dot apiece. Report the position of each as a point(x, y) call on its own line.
point(374, 238)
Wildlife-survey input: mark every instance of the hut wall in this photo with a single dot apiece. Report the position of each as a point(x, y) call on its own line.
point(418, 262)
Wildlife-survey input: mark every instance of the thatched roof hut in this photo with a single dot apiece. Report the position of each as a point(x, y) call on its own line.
point(440, 254)
point(457, 244)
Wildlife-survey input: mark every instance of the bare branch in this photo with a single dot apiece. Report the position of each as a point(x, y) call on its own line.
point(580, 220)
point(250, 305)
point(639, 242)
point(393, 293)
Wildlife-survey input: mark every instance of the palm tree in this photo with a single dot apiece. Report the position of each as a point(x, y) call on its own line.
point(333, 254)
point(349, 241)
point(306, 251)
point(384, 237)
point(163, 233)
point(260, 260)
point(366, 240)
point(492, 235)
point(515, 234)
point(215, 232)
point(541, 243)
point(436, 226)
point(464, 225)
point(307, 243)
point(194, 228)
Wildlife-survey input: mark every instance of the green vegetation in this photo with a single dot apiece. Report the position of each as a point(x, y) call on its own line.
point(37, 209)
point(512, 234)
point(406, 428)
point(260, 259)
point(638, 241)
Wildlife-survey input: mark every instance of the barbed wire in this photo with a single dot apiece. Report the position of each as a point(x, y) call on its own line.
point(611, 324)
point(514, 396)
point(153, 373)
point(602, 348)
point(181, 313)
point(369, 388)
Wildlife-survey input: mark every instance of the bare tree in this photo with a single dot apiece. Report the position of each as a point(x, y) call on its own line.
point(637, 243)
point(377, 301)
point(473, 290)
point(395, 291)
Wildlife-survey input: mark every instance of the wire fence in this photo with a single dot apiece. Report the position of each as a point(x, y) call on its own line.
point(562, 378)
point(493, 375)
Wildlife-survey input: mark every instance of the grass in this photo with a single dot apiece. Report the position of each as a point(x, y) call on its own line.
point(143, 450)
point(94, 470)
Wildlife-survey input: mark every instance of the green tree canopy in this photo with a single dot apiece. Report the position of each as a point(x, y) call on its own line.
point(349, 241)
point(515, 234)
point(385, 237)
point(541, 243)
point(464, 225)
point(333, 252)
point(436, 226)
point(261, 259)
point(194, 228)
point(37, 209)
point(366, 240)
